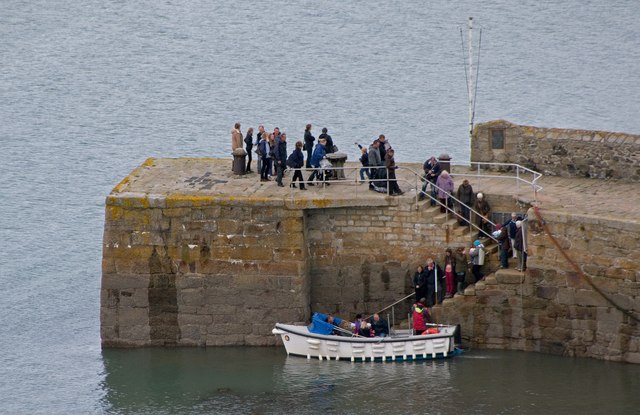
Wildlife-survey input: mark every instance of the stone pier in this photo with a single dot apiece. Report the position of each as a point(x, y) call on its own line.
point(196, 256)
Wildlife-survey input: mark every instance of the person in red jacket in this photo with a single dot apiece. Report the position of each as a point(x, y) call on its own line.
point(420, 316)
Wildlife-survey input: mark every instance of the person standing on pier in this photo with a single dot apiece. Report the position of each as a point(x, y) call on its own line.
point(296, 162)
point(265, 156)
point(390, 164)
point(248, 143)
point(502, 235)
point(308, 144)
point(445, 189)
point(511, 226)
point(281, 157)
point(435, 283)
point(521, 247)
point(375, 161)
point(259, 136)
point(467, 198)
point(328, 147)
point(318, 155)
point(236, 137)
point(431, 172)
point(384, 146)
point(483, 210)
point(420, 282)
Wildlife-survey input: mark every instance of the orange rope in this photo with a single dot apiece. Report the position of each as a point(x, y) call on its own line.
point(577, 269)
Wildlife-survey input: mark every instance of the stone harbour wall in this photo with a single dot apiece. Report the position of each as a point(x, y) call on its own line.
point(561, 152)
point(551, 308)
point(200, 271)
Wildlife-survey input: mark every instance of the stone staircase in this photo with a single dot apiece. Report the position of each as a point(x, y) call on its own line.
point(461, 235)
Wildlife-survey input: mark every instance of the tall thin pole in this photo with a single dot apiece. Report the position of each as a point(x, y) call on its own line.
point(471, 82)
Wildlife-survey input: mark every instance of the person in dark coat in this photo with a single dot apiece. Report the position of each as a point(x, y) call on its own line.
point(265, 156)
point(483, 210)
point(375, 161)
point(420, 282)
point(432, 170)
point(467, 198)
point(296, 162)
point(520, 246)
point(280, 155)
point(434, 275)
point(511, 228)
point(364, 160)
point(503, 245)
point(390, 164)
point(379, 326)
point(248, 146)
point(328, 147)
point(384, 146)
point(308, 144)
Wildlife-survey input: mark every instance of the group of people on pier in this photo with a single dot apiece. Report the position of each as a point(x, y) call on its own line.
point(378, 161)
point(378, 166)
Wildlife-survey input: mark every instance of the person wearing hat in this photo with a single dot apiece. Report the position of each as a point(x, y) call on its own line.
point(420, 316)
point(477, 259)
point(483, 210)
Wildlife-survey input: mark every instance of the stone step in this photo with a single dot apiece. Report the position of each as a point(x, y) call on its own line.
point(509, 276)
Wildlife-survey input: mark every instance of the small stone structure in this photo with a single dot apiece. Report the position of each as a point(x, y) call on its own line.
point(559, 152)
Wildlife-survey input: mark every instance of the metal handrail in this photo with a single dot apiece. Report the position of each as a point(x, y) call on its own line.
point(533, 183)
point(471, 210)
point(418, 189)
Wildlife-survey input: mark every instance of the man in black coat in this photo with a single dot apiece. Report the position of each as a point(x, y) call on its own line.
point(432, 170)
point(329, 146)
point(379, 326)
point(435, 281)
point(280, 154)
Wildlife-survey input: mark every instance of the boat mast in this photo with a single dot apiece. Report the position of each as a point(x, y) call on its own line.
point(471, 75)
point(471, 79)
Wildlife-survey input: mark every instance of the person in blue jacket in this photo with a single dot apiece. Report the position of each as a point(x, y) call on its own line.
point(324, 323)
point(318, 154)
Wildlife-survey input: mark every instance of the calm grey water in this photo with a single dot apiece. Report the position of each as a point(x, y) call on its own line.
point(89, 89)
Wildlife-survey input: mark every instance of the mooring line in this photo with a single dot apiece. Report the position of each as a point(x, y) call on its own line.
point(577, 268)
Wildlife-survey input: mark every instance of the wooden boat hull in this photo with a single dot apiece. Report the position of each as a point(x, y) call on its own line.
point(299, 341)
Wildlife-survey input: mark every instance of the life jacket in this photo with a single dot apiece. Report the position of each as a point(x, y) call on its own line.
point(420, 313)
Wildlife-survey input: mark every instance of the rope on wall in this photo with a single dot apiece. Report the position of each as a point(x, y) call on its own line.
point(577, 268)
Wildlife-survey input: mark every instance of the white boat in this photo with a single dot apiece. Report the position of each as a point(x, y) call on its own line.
point(399, 346)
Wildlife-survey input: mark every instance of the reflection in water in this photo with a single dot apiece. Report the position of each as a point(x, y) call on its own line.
point(266, 381)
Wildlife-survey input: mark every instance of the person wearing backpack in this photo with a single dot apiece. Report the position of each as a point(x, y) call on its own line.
point(296, 161)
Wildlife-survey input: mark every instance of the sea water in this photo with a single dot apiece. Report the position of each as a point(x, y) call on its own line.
point(89, 89)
